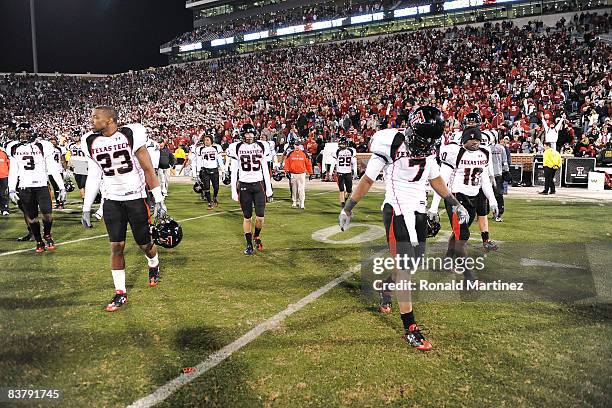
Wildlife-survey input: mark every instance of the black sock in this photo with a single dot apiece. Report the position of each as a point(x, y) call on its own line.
point(485, 236)
point(47, 227)
point(257, 232)
point(342, 204)
point(207, 195)
point(35, 228)
point(407, 319)
point(249, 238)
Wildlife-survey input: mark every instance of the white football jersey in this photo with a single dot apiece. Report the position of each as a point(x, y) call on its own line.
point(33, 162)
point(345, 160)
point(406, 178)
point(58, 153)
point(115, 156)
point(251, 160)
point(154, 151)
point(208, 157)
point(468, 168)
point(75, 149)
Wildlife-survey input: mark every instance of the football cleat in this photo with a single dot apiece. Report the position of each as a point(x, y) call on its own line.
point(490, 245)
point(40, 247)
point(248, 250)
point(50, 244)
point(215, 202)
point(258, 244)
point(210, 206)
point(498, 219)
point(26, 237)
point(385, 304)
point(153, 276)
point(414, 337)
point(118, 300)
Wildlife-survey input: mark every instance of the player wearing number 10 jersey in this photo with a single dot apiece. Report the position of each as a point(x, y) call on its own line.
point(119, 158)
point(405, 157)
point(250, 182)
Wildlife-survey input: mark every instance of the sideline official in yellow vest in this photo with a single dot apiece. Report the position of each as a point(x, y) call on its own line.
point(552, 163)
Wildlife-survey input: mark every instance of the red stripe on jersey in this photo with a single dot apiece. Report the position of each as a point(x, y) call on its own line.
point(392, 240)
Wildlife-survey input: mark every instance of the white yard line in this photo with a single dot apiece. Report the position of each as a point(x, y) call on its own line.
point(74, 241)
point(219, 356)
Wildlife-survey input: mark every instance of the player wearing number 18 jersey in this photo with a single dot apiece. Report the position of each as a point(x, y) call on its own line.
point(405, 157)
point(466, 170)
point(119, 158)
point(250, 182)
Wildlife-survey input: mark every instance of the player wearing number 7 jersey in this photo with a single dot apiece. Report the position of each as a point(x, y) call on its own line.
point(250, 182)
point(465, 168)
point(407, 161)
point(119, 157)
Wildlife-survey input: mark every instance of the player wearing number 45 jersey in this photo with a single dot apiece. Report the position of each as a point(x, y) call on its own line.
point(32, 163)
point(119, 158)
point(250, 182)
point(406, 159)
point(466, 169)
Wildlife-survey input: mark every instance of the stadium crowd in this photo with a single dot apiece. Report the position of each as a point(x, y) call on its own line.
point(534, 84)
point(299, 15)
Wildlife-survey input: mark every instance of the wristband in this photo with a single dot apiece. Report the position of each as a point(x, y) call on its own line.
point(349, 205)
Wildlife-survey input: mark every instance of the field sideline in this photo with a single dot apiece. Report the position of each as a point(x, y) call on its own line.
point(335, 351)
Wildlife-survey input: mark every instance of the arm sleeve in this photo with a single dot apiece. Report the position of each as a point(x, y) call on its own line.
point(354, 162)
point(266, 175)
point(92, 186)
point(13, 174)
point(445, 173)
point(234, 171)
point(375, 165)
point(487, 188)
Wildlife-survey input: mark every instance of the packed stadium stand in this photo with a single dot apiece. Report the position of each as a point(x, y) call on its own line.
point(516, 73)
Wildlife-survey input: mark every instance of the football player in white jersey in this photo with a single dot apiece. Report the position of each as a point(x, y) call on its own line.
point(208, 161)
point(346, 168)
point(59, 157)
point(466, 170)
point(407, 160)
point(119, 158)
point(263, 138)
point(31, 165)
point(250, 183)
point(76, 150)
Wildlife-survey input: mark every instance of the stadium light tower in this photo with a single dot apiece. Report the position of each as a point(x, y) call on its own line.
point(33, 25)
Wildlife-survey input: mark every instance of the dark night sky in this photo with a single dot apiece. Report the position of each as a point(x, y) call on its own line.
point(97, 36)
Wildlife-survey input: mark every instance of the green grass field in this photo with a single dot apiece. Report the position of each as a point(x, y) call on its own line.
point(336, 351)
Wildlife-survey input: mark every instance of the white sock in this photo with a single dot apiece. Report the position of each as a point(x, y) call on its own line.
point(119, 279)
point(153, 262)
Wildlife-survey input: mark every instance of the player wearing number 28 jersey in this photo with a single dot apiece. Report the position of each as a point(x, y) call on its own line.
point(118, 157)
point(405, 157)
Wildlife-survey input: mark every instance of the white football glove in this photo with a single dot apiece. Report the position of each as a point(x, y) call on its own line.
point(462, 214)
point(14, 197)
point(86, 219)
point(344, 220)
point(494, 209)
point(62, 195)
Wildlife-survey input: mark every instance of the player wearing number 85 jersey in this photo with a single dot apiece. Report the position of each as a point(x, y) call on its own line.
point(119, 157)
point(250, 182)
point(405, 157)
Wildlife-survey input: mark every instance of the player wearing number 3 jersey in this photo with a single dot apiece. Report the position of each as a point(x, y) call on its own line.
point(250, 182)
point(118, 156)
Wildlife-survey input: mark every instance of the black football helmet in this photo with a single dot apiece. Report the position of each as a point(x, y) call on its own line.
point(433, 226)
point(472, 119)
point(343, 141)
point(167, 233)
point(425, 131)
point(69, 186)
point(247, 128)
point(197, 188)
point(277, 175)
point(227, 179)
